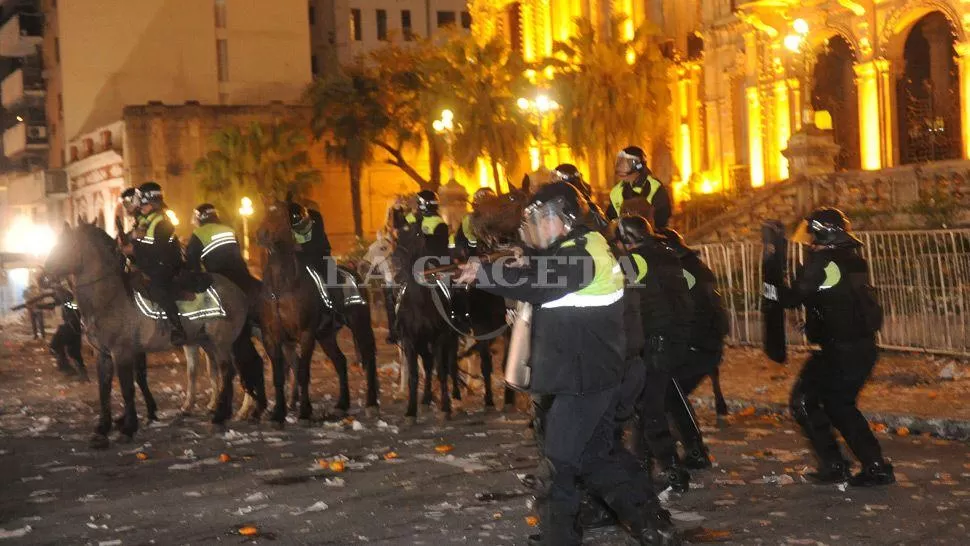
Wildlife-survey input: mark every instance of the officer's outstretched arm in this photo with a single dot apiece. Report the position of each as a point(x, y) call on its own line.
point(545, 279)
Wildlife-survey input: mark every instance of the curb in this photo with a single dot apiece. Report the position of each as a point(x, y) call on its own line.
point(950, 429)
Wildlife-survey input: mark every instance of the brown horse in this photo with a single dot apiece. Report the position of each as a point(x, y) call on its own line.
point(111, 316)
point(292, 313)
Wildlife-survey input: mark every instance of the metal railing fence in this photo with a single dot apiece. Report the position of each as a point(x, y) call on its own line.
point(922, 280)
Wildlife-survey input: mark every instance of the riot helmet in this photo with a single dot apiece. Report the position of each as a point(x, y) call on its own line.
point(205, 213)
point(567, 172)
point(675, 241)
point(631, 160)
point(427, 203)
point(300, 220)
point(826, 227)
point(631, 231)
point(129, 201)
point(554, 211)
point(150, 194)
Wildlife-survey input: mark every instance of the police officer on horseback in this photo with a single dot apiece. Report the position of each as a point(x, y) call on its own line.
point(637, 183)
point(214, 248)
point(463, 242)
point(431, 223)
point(158, 254)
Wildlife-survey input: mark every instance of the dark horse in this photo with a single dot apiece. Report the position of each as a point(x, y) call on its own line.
point(292, 313)
point(93, 259)
point(423, 330)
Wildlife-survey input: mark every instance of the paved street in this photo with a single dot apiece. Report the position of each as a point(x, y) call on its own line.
point(403, 486)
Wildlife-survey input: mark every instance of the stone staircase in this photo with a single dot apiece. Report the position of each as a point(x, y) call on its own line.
point(928, 196)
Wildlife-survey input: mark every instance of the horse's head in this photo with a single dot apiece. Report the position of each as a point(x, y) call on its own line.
point(78, 248)
point(497, 218)
point(274, 232)
point(411, 245)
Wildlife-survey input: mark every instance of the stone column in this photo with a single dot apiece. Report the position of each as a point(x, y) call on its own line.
point(782, 124)
point(875, 114)
point(963, 65)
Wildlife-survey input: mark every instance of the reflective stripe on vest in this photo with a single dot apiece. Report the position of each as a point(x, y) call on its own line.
point(691, 280)
point(71, 305)
point(430, 223)
point(640, 264)
point(616, 194)
point(214, 236)
point(607, 286)
point(153, 220)
point(832, 276)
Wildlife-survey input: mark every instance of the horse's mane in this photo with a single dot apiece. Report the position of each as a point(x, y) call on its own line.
point(101, 239)
point(496, 219)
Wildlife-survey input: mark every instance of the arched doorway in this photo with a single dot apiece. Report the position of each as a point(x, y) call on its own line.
point(835, 91)
point(928, 93)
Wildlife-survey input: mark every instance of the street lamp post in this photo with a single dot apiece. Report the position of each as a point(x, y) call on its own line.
point(445, 126)
point(539, 107)
point(798, 44)
point(245, 211)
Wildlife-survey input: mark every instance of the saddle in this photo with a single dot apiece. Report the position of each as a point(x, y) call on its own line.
point(195, 296)
point(346, 290)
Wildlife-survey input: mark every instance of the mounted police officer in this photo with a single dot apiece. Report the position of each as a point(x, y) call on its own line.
point(463, 242)
point(577, 359)
point(567, 172)
point(842, 316)
point(432, 225)
point(636, 182)
point(213, 247)
point(665, 311)
point(158, 254)
point(708, 326)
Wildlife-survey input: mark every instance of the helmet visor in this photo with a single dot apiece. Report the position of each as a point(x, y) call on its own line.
point(626, 164)
point(802, 236)
point(543, 224)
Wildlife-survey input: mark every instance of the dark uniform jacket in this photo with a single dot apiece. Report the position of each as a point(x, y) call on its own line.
point(314, 247)
point(665, 303)
point(840, 306)
point(652, 190)
point(157, 249)
point(709, 322)
point(214, 248)
point(578, 344)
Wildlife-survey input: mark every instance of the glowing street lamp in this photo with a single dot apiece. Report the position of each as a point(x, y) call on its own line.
point(246, 210)
point(445, 126)
point(172, 217)
point(539, 107)
point(798, 44)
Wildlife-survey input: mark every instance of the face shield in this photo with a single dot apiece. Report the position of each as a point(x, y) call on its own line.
point(802, 236)
point(544, 223)
point(626, 164)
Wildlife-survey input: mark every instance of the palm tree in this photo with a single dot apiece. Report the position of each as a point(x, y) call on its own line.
point(607, 101)
point(348, 113)
point(485, 80)
point(259, 160)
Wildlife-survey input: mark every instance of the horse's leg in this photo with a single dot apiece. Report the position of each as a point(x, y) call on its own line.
point(105, 378)
point(427, 363)
point(141, 377)
point(223, 357)
point(191, 366)
point(360, 327)
point(307, 343)
point(328, 341)
point(278, 358)
point(293, 362)
point(509, 401)
point(411, 363)
point(455, 374)
point(215, 376)
point(249, 366)
point(485, 356)
point(720, 405)
point(124, 366)
point(447, 353)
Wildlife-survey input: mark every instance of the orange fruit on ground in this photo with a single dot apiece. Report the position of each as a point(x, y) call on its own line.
point(444, 448)
point(902, 431)
point(322, 463)
point(142, 456)
point(532, 521)
point(248, 531)
point(933, 395)
point(390, 455)
point(337, 466)
point(747, 412)
point(224, 458)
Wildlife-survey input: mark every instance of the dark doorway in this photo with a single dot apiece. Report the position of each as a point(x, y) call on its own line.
point(835, 92)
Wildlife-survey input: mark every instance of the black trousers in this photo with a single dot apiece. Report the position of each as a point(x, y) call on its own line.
point(66, 346)
point(824, 397)
point(697, 365)
point(161, 289)
point(578, 446)
point(249, 364)
point(653, 437)
point(37, 323)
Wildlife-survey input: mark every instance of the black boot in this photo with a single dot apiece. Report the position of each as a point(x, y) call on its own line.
point(697, 458)
point(593, 514)
point(178, 333)
point(831, 472)
point(675, 475)
point(62, 365)
point(876, 473)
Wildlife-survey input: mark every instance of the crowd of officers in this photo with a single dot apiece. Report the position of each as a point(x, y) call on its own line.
point(614, 346)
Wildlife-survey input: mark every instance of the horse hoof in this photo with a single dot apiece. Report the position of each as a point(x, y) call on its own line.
point(410, 421)
point(99, 441)
point(218, 429)
point(372, 412)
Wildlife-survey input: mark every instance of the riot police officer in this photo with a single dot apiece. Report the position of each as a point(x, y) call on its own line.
point(65, 344)
point(665, 321)
point(708, 326)
point(577, 359)
point(432, 225)
point(463, 242)
point(158, 254)
point(636, 182)
point(567, 172)
point(843, 317)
